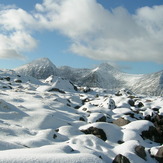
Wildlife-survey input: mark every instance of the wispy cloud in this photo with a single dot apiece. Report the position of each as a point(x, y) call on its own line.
point(95, 32)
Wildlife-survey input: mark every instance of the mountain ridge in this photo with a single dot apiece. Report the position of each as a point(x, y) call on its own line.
point(103, 76)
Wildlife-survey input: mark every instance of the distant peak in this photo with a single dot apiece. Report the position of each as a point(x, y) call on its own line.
point(106, 66)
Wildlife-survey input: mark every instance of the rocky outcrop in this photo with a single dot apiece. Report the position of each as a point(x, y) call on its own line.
point(96, 131)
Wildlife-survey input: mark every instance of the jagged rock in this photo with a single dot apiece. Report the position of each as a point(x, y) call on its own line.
point(81, 119)
point(85, 89)
point(54, 136)
point(159, 155)
point(96, 131)
point(17, 81)
point(77, 107)
point(120, 142)
point(121, 122)
point(5, 87)
point(124, 92)
point(121, 159)
point(7, 78)
point(108, 103)
point(140, 151)
point(111, 104)
point(102, 119)
point(56, 90)
point(75, 87)
point(84, 109)
point(131, 102)
point(154, 134)
point(140, 104)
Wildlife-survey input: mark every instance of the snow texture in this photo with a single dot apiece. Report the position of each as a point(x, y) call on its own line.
point(53, 120)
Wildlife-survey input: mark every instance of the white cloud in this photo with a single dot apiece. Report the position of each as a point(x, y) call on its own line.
point(106, 35)
point(95, 32)
point(15, 32)
point(12, 45)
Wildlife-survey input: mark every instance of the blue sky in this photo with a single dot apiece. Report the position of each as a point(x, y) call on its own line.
point(83, 33)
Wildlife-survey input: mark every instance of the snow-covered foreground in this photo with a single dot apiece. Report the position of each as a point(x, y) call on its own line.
point(53, 121)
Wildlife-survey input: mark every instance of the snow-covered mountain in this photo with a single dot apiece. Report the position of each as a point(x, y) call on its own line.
point(40, 69)
point(103, 76)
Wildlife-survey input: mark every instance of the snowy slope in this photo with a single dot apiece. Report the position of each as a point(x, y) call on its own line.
point(103, 76)
point(38, 125)
point(40, 68)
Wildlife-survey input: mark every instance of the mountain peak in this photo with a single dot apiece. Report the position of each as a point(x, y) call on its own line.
point(107, 67)
point(42, 61)
point(39, 66)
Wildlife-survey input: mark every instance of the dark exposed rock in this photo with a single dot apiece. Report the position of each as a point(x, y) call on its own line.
point(111, 104)
point(120, 142)
point(158, 131)
point(56, 90)
point(148, 117)
point(81, 119)
point(124, 92)
point(154, 134)
point(121, 122)
point(77, 107)
point(84, 109)
point(69, 105)
point(131, 102)
point(121, 159)
point(130, 114)
point(85, 100)
point(75, 88)
point(158, 120)
point(7, 87)
point(54, 136)
point(100, 157)
point(159, 155)
point(86, 89)
point(155, 109)
point(18, 81)
point(140, 104)
point(96, 131)
point(131, 97)
point(102, 119)
point(7, 78)
point(140, 151)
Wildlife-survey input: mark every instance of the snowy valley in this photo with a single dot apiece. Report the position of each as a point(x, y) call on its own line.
point(80, 115)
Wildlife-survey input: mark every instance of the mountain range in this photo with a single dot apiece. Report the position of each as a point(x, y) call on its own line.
point(103, 76)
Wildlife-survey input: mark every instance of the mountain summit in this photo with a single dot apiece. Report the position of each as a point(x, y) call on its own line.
point(103, 76)
point(40, 68)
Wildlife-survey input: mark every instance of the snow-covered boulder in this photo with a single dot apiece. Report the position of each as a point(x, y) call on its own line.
point(58, 84)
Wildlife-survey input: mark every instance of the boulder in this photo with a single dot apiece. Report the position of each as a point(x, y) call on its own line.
point(131, 102)
point(96, 131)
point(140, 104)
point(102, 119)
point(121, 159)
point(121, 122)
point(108, 103)
point(17, 81)
point(123, 92)
point(154, 134)
point(56, 90)
point(159, 155)
point(140, 151)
